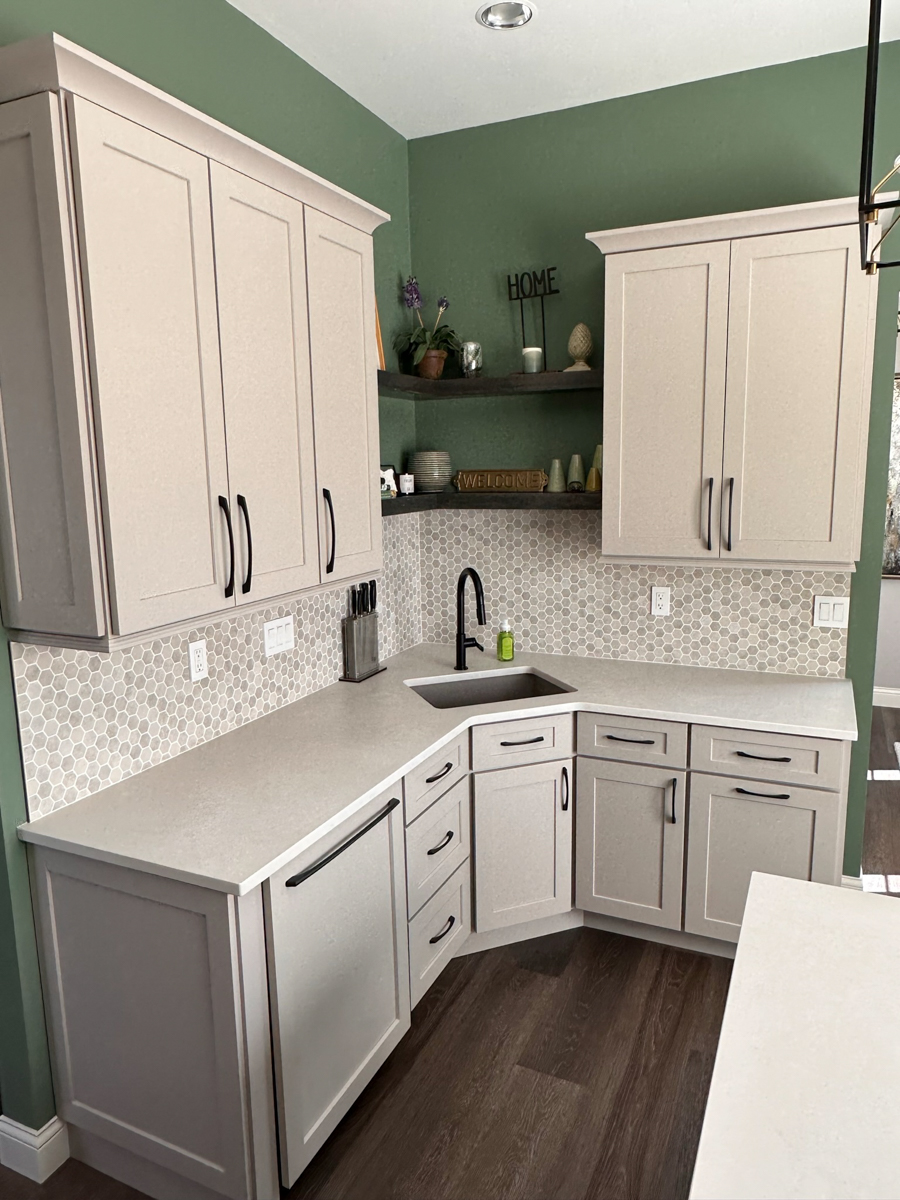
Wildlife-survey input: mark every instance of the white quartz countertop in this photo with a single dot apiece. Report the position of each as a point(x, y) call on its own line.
point(805, 1094)
point(231, 812)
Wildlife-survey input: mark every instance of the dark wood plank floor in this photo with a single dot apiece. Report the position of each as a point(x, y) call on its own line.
point(571, 1066)
point(574, 1066)
point(881, 840)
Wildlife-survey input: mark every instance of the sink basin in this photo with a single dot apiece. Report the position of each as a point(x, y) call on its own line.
point(486, 687)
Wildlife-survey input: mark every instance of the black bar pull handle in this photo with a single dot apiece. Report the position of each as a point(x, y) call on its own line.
point(439, 937)
point(448, 838)
point(729, 545)
point(329, 567)
point(710, 483)
point(445, 770)
point(565, 789)
point(226, 509)
point(527, 742)
point(323, 862)
point(674, 795)
point(763, 795)
point(242, 505)
point(612, 737)
point(760, 757)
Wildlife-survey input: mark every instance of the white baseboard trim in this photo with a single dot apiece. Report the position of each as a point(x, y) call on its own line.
point(34, 1153)
point(852, 881)
point(886, 697)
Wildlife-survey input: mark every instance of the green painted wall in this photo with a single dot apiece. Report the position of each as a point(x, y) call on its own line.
point(208, 54)
point(522, 194)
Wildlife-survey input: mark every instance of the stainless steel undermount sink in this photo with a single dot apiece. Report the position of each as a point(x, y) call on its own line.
point(487, 687)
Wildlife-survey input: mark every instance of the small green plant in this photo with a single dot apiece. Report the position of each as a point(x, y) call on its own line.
point(421, 339)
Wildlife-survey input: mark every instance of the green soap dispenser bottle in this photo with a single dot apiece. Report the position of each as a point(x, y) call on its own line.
point(506, 651)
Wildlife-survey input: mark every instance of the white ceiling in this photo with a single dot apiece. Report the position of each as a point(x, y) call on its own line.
point(426, 67)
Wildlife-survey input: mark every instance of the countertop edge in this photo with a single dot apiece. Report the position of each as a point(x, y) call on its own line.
point(30, 832)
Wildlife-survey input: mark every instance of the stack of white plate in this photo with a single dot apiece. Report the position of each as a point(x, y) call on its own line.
point(432, 470)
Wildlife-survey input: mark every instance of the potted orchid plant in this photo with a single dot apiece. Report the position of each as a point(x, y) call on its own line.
point(428, 348)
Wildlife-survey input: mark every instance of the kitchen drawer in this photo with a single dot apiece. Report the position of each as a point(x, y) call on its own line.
point(783, 758)
point(512, 743)
point(633, 739)
point(432, 778)
point(438, 930)
point(437, 843)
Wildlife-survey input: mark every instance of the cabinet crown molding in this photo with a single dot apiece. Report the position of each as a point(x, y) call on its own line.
point(51, 63)
point(724, 227)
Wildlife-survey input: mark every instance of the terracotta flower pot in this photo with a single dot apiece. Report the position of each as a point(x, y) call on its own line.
point(432, 365)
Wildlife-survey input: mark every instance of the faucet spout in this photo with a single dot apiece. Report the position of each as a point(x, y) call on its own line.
point(464, 643)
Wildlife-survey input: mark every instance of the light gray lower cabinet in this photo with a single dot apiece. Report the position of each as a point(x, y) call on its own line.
point(155, 994)
point(738, 826)
point(523, 844)
point(629, 841)
point(338, 974)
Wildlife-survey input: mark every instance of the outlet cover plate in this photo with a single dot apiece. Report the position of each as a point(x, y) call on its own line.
point(198, 661)
point(660, 601)
point(278, 635)
point(831, 612)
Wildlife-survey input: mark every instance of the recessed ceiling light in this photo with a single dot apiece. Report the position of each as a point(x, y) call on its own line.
point(504, 16)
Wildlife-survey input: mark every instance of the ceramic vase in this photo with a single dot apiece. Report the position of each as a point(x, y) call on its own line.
point(557, 477)
point(576, 473)
point(598, 458)
point(593, 480)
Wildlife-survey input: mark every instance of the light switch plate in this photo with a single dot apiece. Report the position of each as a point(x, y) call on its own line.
point(831, 612)
point(197, 659)
point(278, 635)
point(660, 601)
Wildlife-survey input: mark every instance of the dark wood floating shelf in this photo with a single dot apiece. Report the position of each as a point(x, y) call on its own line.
point(424, 501)
point(413, 388)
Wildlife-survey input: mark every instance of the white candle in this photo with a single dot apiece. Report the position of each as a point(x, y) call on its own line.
point(532, 359)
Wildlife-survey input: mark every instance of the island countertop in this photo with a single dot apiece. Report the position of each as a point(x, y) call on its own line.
point(231, 812)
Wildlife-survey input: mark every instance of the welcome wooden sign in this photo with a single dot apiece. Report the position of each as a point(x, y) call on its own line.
point(529, 479)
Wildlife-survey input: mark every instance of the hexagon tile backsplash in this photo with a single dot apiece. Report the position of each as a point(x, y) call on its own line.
point(89, 720)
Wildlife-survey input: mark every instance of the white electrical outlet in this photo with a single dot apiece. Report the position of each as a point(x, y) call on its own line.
point(831, 612)
point(278, 635)
point(660, 601)
point(197, 660)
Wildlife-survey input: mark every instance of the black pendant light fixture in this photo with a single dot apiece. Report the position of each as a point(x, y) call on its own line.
point(869, 204)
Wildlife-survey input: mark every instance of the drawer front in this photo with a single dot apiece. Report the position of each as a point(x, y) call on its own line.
point(633, 739)
point(438, 930)
point(512, 743)
point(436, 775)
point(437, 843)
point(783, 758)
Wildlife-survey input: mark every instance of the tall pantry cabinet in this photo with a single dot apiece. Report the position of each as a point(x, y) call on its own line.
point(737, 377)
point(188, 397)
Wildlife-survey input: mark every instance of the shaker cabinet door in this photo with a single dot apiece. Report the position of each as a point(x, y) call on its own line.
point(345, 396)
point(629, 841)
point(739, 826)
point(143, 214)
point(523, 844)
point(796, 418)
point(264, 335)
point(664, 395)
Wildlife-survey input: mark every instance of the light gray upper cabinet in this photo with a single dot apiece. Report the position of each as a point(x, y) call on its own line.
point(150, 306)
point(629, 841)
point(182, 376)
point(345, 395)
point(338, 975)
point(264, 334)
point(664, 392)
point(523, 844)
point(737, 381)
